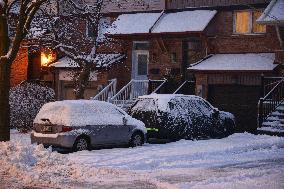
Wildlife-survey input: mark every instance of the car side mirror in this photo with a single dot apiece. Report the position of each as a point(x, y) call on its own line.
point(124, 120)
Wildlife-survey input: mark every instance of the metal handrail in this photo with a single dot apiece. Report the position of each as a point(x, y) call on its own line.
point(160, 86)
point(182, 85)
point(129, 92)
point(108, 92)
point(270, 102)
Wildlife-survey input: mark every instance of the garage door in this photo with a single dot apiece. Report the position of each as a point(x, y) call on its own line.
point(239, 100)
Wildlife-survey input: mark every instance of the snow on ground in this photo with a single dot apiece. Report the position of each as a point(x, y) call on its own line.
point(239, 161)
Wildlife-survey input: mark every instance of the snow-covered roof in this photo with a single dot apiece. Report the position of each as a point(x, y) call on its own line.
point(134, 23)
point(184, 21)
point(141, 23)
point(273, 14)
point(102, 60)
point(237, 62)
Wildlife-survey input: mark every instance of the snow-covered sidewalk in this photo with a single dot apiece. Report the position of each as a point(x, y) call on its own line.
point(239, 161)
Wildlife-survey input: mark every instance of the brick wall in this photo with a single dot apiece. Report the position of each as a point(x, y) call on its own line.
point(223, 40)
point(19, 69)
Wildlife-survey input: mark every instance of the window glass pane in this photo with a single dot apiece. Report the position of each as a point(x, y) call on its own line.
point(90, 30)
point(242, 22)
point(142, 64)
point(258, 28)
point(174, 58)
point(141, 46)
point(104, 24)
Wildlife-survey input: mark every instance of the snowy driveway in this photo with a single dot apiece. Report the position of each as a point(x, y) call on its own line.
point(239, 161)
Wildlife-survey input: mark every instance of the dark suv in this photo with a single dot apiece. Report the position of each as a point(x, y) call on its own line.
point(181, 117)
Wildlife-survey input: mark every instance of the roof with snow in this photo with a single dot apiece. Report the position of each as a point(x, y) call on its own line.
point(273, 14)
point(178, 22)
point(184, 21)
point(236, 62)
point(102, 60)
point(134, 23)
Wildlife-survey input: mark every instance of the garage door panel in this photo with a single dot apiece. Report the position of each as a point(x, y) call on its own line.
point(239, 100)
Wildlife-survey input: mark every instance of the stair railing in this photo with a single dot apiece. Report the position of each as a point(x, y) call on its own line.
point(158, 88)
point(270, 102)
point(185, 86)
point(130, 92)
point(108, 92)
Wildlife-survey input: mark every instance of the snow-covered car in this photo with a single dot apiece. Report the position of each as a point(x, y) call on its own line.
point(181, 117)
point(83, 124)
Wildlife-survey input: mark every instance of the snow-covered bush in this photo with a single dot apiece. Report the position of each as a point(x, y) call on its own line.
point(26, 99)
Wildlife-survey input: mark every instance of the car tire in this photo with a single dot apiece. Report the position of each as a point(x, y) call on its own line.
point(137, 139)
point(81, 143)
point(230, 127)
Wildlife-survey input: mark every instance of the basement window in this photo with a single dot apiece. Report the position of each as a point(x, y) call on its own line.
point(245, 22)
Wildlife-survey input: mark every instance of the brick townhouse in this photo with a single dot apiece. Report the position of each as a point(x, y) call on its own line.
point(220, 44)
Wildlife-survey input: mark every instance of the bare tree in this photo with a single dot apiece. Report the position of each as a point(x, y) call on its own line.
point(72, 41)
point(9, 50)
point(75, 44)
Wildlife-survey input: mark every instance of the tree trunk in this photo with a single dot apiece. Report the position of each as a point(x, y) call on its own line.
point(82, 82)
point(4, 81)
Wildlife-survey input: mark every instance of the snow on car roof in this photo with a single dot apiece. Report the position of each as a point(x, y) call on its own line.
point(78, 113)
point(168, 96)
point(164, 99)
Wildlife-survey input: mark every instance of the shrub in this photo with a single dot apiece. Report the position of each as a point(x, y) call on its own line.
point(26, 99)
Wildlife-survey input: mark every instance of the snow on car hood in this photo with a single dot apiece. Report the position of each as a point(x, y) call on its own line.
point(79, 113)
point(137, 123)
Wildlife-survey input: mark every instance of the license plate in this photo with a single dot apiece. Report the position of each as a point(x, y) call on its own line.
point(47, 129)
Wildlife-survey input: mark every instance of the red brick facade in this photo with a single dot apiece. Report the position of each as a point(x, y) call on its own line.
point(19, 69)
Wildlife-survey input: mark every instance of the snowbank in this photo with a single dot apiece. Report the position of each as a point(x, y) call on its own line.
point(239, 161)
point(33, 165)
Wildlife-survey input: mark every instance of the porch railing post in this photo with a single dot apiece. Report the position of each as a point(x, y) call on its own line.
point(260, 112)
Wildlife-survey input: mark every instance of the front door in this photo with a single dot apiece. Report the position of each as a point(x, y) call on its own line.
point(140, 65)
point(140, 60)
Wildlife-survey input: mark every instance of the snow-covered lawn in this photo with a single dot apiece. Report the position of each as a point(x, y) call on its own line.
point(239, 161)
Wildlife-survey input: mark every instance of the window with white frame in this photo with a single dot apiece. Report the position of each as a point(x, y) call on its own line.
point(90, 30)
point(245, 22)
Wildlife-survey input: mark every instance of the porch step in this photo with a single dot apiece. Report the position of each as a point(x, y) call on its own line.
point(274, 124)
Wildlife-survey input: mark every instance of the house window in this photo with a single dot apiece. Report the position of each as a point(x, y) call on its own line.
point(174, 58)
point(104, 24)
point(245, 22)
point(142, 64)
point(257, 28)
point(141, 45)
point(90, 30)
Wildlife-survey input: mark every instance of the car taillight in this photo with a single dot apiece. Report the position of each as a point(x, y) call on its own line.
point(66, 129)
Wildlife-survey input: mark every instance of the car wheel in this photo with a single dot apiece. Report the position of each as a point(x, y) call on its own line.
point(229, 125)
point(81, 144)
point(136, 140)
